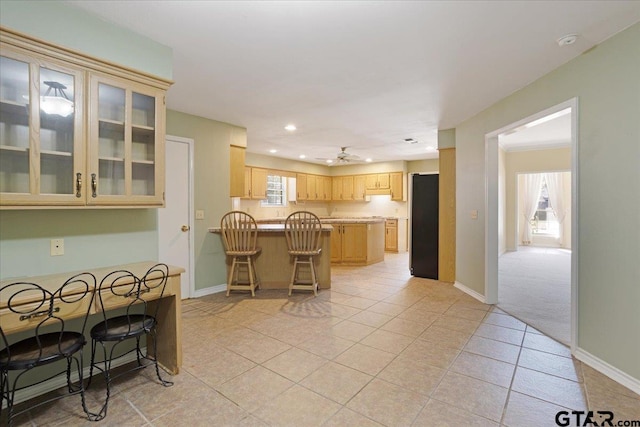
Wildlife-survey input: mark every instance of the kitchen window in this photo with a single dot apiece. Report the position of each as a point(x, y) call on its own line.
point(276, 191)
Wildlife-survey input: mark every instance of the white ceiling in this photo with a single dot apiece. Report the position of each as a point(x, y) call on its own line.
point(361, 74)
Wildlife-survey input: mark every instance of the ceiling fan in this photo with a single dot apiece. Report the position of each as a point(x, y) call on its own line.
point(342, 158)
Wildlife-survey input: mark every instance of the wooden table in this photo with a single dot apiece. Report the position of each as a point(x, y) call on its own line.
point(273, 263)
point(169, 334)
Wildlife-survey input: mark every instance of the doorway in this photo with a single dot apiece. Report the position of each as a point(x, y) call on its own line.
point(175, 220)
point(498, 212)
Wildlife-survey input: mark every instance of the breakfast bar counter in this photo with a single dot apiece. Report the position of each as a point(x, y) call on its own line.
point(273, 263)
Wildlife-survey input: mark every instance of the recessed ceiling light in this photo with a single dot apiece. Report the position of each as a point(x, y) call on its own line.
point(290, 127)
point(273, 150)
point(368, 160)
point(329, 161)
point(567, 40)
point(302, 156)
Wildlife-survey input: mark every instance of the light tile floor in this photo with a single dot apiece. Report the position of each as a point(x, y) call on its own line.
point(380, 348)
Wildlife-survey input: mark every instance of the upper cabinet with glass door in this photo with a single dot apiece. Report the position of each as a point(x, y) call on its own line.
point(41, 141)
point(126, 143)
point(62, 145)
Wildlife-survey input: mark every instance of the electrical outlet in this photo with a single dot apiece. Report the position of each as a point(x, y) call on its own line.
point(199, 214)
point(57, 247)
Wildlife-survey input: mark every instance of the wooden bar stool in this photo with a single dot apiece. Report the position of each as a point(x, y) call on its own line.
point(239, 235)
point(303, 232)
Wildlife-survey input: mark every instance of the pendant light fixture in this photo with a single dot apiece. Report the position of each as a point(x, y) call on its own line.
point(58, 103)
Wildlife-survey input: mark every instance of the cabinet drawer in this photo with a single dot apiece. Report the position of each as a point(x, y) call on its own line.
point(11, 321)
point(111, 301)
point(392, 222)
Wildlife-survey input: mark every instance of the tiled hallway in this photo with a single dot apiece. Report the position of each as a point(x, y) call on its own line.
point(379, 348)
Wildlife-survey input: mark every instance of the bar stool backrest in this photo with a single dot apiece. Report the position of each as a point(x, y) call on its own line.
point(43, 311)
point(239, 232)
point(303, 231)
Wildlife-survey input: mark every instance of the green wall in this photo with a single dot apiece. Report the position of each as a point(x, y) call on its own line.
point(72, 27)
point(92, 238)
point(211, 170)
point(606, 82)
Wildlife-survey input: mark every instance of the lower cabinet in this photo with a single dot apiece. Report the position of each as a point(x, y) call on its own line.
point(391, 235)
point(354, 243)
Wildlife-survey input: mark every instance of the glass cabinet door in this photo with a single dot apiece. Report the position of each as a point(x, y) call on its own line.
point(14, 126)
point(125, 143)
point(41, 155)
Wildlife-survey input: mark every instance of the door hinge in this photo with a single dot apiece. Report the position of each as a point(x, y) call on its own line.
point(163, 199)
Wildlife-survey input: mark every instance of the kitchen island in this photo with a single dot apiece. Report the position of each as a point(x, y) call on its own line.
point(355, 240)
point(273, 263)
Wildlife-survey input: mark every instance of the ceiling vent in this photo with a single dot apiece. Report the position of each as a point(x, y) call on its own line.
point(410, 141)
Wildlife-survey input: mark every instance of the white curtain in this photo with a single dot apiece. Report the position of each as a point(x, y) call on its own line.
point(530, 197)
point(556, 197)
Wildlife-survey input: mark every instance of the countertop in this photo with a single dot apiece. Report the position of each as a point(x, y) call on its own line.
point(271, 228)
point(330, 220)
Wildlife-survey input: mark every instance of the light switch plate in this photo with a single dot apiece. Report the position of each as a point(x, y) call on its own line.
point(199, 214)
point(474, 214)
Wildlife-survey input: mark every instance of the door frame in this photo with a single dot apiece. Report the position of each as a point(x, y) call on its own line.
point(491, 209)
point(190, 270)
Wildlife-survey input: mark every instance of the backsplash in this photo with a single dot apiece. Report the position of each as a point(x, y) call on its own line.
point(376, 206)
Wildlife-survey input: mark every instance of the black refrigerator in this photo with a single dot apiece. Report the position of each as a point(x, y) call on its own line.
point(424, 226)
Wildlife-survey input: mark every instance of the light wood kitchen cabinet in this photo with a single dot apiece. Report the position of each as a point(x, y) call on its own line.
point(322, 189)
point(349, 243)
point(391, 235)
point(126, 142)
point(259, 183)
point(377, 181)
point(359, 188)
point(246, 190)
point(42, 151)
point(336, 188)
point(301, 186)
point(327, 187)
point(396, 186)
point(76, 131)
point(238, 184)
point(312, 187)
point(347, 188)
point(357, 243)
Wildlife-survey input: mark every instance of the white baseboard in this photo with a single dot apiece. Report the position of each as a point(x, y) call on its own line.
point(210, 290)
point(61, 380)
point(470, 292)
point(606, 369)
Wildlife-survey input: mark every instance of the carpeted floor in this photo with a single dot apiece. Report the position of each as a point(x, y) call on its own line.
point(534, 285)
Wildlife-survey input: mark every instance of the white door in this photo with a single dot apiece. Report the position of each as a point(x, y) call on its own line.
point(175, 227)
